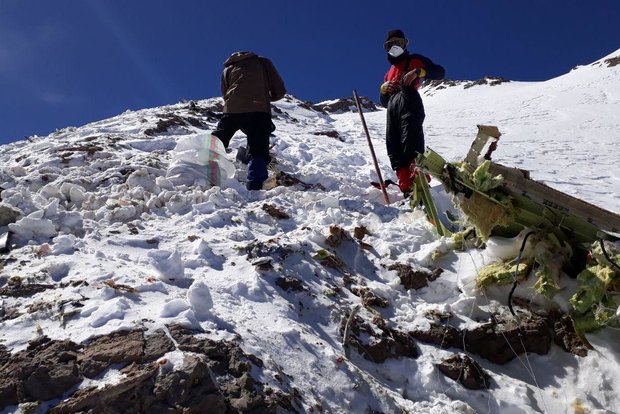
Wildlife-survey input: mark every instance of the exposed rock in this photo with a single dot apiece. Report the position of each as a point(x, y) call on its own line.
point(465, 370)
point(379, 342)
point(18, 290)
point(565, 337)
point(501, 342)
point(125, 396)
point(337, 235)
point(9, 312)
point(487, 80)
point(212, 112)
point(440, 84)
point(216, 380)
point(90, 149)
point(125, 347)
point(290, 284)
point(190, 387)
point(263, 264)
point(287, 180)
point(157, 344)
point(5, 354)
point(344, 105)
point(438, 316)
point(498, 341)
point(267, 248)
point(369, 298)
point(232, 368)
point(8, 215)
point(43, 371)
point(331, 134)
point(275, 212)
point(360, 232)
point(414, 279)
point(611, 62)
point(169, 121)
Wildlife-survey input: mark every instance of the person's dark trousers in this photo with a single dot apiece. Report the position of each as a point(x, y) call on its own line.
point(405, 135)
point(257, 126)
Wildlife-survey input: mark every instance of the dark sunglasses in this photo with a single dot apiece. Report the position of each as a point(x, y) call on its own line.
point(394, 42)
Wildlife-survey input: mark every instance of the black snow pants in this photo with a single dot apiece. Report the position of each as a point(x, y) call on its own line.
point(257, 126)
point(405, 135)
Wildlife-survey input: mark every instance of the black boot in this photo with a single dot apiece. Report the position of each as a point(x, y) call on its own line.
point(254, 185)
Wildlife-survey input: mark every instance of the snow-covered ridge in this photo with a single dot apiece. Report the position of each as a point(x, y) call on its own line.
point(104, 243)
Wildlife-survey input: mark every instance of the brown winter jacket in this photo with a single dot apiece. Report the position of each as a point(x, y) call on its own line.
point(249, 83)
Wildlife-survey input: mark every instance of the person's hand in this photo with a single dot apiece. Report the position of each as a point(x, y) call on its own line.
point(388, 88)
point(412, 75)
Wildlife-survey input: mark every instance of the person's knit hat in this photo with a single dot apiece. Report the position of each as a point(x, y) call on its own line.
point(397, 33)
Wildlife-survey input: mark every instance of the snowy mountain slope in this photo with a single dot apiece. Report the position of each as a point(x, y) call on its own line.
point(564, 130)
point(107, 243)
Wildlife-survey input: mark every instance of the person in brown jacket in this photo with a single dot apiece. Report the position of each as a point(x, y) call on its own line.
point(249, 84)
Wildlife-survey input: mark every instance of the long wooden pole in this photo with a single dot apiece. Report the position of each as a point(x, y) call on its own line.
point(372, 150)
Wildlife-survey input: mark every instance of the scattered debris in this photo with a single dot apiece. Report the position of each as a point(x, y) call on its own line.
point(329, 260)
point(119, 287)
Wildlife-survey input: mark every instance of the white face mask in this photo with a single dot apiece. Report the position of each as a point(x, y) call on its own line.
point(396, 51)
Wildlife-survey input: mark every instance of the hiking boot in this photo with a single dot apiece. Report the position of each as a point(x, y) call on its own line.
point(254, 185)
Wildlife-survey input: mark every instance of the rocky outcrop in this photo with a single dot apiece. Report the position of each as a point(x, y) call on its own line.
point(344, 105)
point(215, 376)
point(503, 339)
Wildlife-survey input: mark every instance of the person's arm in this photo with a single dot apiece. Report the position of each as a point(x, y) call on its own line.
point(385, 99)
point(385, 91)
point(277, 90)
point(433, 70)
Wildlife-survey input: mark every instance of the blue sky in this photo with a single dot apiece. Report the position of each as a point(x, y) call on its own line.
point(67, 62)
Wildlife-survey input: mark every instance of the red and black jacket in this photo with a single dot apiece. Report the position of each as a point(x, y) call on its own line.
point(406, 63)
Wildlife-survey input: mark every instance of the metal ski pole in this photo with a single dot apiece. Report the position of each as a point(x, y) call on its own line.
point(372, 151)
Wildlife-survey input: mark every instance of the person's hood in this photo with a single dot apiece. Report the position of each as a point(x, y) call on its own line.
point(239, 56)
